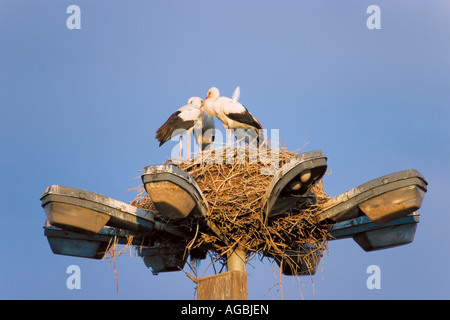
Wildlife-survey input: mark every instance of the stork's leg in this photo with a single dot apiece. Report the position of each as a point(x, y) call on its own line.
point(189, 145)
point(229, 135)
point(181, 145)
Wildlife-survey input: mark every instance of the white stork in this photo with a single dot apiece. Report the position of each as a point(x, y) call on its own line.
point(188, 118)
point(232, 113)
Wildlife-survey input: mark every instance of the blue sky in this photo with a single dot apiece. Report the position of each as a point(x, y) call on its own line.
point(80, 108)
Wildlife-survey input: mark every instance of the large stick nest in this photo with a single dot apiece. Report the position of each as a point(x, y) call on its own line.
point(235, 191)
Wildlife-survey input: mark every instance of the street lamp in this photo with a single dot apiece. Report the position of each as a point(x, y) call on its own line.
point(382, 200)
point(87, 212)
point(293, 179)
point(69, 243)
point(379, 214)
point(371, 236)
point(174, 192)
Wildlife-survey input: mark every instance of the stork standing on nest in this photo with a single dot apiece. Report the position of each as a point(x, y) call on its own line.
point(232, 113)
point(188, 117)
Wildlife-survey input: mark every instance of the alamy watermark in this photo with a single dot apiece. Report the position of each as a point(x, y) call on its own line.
point(74, 20)
point(374, 20)
point(374, 280)
point(74, 280)
point(251, 146)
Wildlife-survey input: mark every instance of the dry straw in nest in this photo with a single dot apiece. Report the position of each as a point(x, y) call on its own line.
point(234, 188)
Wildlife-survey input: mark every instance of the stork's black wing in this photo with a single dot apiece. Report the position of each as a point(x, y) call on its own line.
point(245, 117)
point(164, 133)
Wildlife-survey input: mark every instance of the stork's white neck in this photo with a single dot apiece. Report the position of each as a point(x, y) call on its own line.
point(208, 107)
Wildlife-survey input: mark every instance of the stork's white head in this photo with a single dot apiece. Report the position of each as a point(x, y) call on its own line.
point(196, 102)
point(213, 93)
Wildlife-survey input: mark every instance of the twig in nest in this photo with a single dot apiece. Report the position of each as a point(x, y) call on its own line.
point(234, 189)
point(112, 253)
